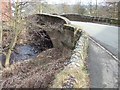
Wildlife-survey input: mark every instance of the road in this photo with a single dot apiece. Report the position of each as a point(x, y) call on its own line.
point(106, 35)
point(102, 67)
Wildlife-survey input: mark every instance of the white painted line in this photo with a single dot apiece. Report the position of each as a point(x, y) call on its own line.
point(104, 49)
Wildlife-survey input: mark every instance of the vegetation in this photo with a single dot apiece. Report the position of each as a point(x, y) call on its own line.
point(1, 34)
point(50, 62)
point(15, 24)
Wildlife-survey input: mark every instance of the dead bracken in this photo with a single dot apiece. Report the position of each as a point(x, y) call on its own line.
point(37, 73)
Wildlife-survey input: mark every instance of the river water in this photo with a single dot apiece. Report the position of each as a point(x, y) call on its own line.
point(21, 53)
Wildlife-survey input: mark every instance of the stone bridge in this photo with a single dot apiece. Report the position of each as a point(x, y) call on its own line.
point(65, 56)
point(44, 31)
point(83, 18)
point(58, 28)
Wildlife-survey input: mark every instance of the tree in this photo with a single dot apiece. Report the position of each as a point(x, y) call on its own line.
point(1, 34)
point(15, 25)
point(16, 31)
point(79, 9)
point(112, 9)
point(90, 8)
point(65, 8)
point(96, 8)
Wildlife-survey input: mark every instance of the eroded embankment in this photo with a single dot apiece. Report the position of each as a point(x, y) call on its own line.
point(37, 73)
point(41, 70)
point(75, 74)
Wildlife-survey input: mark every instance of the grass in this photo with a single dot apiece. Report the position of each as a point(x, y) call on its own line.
point(81, 78)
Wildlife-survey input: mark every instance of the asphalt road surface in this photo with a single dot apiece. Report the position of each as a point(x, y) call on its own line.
point(106, 35)
point(103, 69)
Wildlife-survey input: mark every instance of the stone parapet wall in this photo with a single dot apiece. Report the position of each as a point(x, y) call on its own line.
point(75, 74)
point(82, 18)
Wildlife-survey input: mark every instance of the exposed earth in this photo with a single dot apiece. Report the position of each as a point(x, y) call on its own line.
point(37, 73)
